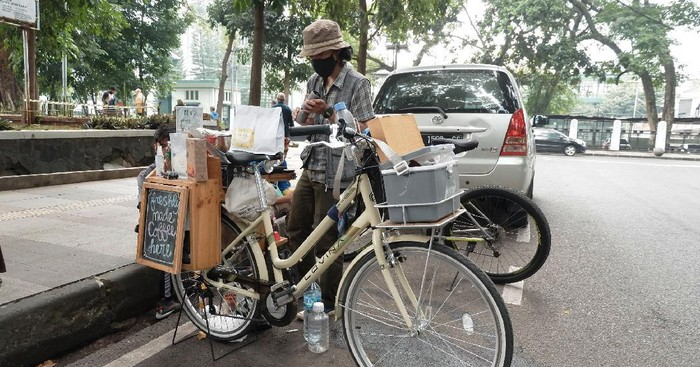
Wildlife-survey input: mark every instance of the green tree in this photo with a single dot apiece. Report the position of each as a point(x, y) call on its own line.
point(279, 52)
point(68, 27)
point(639, 35)
point(141, 55)
point(396, 21)
point(539, 41)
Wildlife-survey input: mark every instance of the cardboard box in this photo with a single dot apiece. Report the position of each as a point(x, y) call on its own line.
point(400, 132)
point(197, 159)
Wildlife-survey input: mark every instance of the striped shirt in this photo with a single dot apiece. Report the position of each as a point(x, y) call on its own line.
point(350, 87)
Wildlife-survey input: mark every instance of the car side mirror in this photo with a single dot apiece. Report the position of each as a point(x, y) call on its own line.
point(540, 120)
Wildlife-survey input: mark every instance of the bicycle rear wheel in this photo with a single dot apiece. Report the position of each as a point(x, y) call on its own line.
point(520, 233)
point(228, 315)
point(459, 318)
point(359, 244)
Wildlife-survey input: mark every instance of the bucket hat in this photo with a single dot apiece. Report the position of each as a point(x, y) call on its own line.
point(322, 35)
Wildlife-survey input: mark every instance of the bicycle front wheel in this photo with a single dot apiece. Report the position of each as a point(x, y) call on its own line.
point(458, 317)
point(222, 314)
point(519, 233)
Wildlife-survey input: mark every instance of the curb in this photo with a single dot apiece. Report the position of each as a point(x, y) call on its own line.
point(61, 178)
point(51, 323)
point(675, 156)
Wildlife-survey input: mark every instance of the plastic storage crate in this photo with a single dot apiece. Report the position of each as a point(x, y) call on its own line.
point(423, 193)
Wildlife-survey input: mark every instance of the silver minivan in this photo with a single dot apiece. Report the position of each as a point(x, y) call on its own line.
point(465, 102)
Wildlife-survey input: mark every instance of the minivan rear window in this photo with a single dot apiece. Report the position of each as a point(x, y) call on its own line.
point(456, 91)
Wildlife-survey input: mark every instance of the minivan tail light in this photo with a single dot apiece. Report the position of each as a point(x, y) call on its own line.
point(515, 142)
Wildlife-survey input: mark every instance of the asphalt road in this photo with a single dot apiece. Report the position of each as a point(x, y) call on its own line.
point(621, 286)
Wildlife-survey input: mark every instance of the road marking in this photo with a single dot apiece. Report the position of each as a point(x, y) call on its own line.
point(151, 348)
point(513, 292)
point(37, 212)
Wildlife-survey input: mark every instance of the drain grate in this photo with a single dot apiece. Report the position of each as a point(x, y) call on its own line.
point(37, 212)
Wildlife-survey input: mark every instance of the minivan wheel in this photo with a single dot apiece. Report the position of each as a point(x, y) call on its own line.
point(569, 150)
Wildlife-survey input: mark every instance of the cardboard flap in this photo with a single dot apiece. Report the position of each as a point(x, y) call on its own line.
point(400, 132)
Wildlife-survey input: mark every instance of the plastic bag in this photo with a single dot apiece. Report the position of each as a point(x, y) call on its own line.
point(242, 197)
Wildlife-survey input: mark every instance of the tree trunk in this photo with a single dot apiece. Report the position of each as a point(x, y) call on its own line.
point(9, 87)
point(669, 111)
point(364, 29)
point(650, 105)
point(256, 60)
point(224, 75)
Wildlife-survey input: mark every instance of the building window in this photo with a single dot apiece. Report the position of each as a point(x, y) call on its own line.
point(192, 95)
point(227, 96)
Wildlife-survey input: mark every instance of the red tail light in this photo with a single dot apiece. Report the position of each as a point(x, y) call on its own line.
point(515, 142)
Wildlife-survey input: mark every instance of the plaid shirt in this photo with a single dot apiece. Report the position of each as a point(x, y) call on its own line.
point(350, 87)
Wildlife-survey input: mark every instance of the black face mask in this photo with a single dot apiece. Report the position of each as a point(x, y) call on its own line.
point(324, 67)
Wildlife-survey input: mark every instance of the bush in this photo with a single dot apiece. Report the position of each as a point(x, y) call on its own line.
point(6, 125)
point(121, 123)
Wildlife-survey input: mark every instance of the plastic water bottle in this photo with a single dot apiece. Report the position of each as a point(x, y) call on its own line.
point(311, 296)
point(342, 112)
point(160, 161)
point(318, 329)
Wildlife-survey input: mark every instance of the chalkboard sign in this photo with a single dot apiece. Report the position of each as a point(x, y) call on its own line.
point(161, 228)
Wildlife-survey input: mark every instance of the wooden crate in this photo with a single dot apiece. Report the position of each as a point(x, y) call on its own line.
point(204, 209)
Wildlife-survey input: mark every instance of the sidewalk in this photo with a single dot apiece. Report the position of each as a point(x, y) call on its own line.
point(70, 253)
point(71, 276)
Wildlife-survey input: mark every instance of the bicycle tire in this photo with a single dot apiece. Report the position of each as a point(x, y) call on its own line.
point(521, 231)
point(377, 335)
point(232, 317)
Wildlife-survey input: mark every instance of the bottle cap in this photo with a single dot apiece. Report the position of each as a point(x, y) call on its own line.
point(318, 307)
point(339, 106)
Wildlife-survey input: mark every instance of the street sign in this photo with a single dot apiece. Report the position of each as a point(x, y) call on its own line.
point(18, 11)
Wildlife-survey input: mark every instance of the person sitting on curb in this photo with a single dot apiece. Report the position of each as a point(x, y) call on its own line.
point(166, 305)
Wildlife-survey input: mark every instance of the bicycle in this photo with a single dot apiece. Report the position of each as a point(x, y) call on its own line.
point(501, 231)
point(405, 300)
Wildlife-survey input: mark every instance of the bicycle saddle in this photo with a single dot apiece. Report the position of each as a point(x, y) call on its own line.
point(240, 158)
point(460, 144)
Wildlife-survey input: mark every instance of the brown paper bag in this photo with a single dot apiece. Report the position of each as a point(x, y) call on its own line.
point(400, 132)
point(197, 159)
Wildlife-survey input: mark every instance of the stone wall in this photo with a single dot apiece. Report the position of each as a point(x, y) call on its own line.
point(33, 152)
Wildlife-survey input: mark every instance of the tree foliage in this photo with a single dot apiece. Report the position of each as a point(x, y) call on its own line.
point(540, 42)
point(639, 35)
point(124, 43)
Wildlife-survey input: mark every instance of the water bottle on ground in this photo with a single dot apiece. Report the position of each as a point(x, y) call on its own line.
point(318, 329)
point(311, 296)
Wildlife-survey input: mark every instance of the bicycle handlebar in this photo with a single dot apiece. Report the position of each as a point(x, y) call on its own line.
point(309, 130)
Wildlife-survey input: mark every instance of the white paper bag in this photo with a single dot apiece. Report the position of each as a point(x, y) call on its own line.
point(257, 130)
point(178, 154)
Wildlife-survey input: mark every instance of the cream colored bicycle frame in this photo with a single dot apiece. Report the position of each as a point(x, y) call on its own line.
point(370, 217)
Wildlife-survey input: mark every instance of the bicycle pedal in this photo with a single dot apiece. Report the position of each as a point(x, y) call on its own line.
point(282, 293)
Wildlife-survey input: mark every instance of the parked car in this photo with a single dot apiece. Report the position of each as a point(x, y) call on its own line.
point(550, 140)
point(690, 148)
point(472, 101)
point(624, 145)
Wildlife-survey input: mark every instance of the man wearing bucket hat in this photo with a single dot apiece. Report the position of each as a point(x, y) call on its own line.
point(334, 81)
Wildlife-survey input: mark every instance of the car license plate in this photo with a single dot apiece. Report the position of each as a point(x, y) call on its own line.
point(428, 138)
